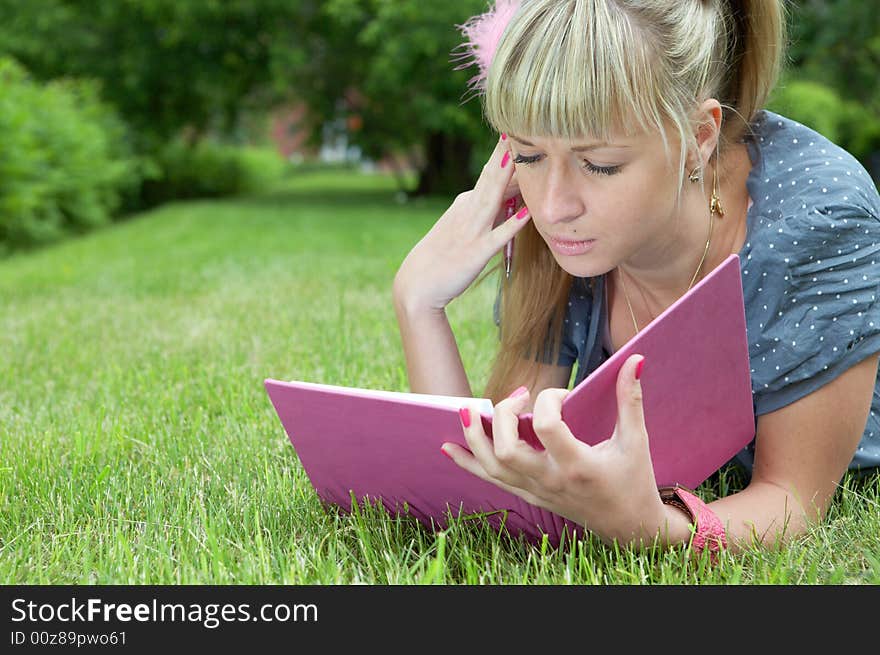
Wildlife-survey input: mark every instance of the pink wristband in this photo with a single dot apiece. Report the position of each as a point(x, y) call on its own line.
point(709, 531)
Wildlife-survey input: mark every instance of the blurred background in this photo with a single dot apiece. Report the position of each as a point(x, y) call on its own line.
point(110, 107)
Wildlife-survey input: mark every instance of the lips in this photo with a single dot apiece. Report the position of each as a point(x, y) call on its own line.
point(571, 248)
point(569, 242)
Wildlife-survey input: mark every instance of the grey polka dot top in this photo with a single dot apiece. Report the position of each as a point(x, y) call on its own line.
point(810, 276)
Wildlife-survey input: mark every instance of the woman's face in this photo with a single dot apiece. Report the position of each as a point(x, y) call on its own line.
point(620, 196)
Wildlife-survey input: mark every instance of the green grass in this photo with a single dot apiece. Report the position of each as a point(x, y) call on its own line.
point(137, 444)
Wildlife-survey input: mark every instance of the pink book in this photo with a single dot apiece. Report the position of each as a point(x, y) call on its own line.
point(385, 445)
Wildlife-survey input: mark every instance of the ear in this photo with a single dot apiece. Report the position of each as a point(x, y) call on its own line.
point(708, 121)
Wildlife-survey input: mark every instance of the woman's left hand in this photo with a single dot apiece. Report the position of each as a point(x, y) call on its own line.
point(609, 488)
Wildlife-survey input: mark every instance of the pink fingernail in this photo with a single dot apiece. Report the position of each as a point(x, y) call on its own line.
point(504, 159)
point(639, 369)
point(465, 416)
point(522, 213)
point(503, 136)
point(518, 392)
point(445, 453)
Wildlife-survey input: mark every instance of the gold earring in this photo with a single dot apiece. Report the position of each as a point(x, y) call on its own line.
point(715, 203)
point(696, 175)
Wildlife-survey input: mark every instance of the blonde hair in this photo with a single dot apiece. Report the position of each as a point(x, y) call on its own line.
point(572, 69)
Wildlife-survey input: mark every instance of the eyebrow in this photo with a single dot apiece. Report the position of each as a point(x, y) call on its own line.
point(592, 146)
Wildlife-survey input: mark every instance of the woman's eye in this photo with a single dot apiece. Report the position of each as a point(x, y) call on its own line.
point(601, 170)
point(592, 168)
point(520, 159)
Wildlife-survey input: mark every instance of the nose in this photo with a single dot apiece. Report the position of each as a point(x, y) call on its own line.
point(561, 201)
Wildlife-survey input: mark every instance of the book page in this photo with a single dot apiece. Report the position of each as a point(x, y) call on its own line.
point(455, 402)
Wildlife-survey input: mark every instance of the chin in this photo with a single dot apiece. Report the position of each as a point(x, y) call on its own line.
point(587, 265)
point(581, 269)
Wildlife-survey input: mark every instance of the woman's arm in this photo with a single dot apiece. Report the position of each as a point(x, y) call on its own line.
point(433, 362)
point(801, 453)
point(443, 264)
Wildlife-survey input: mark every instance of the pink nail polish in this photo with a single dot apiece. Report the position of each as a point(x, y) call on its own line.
point(504, 159)
point(522, 213)
point(639, 369)
point(518, 392)
point(445, 453)
point(503, 136)
point(465, 415)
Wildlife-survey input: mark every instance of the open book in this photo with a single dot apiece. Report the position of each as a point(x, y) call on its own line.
point(385, 445)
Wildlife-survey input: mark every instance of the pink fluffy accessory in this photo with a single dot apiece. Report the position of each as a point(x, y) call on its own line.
point(482, 34)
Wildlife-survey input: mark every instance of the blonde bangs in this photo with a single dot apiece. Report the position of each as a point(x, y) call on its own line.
point(573, 70)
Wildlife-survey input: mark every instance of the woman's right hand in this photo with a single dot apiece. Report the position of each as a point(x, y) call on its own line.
point(460, 244)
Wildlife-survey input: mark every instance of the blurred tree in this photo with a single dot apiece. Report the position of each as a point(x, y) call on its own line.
point(837, 43)
point(165, 64)
point(381, 68)
point(389, 64)
point(832, 80)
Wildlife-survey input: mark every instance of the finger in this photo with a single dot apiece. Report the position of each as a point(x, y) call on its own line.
point(511, 203)
point(509, 207)
point(464, 458)
point(630, 430)
point(469, 463)
point(483, 449)
point(512, 190)
point(496, 174)
point(477, 440)
point(506, 230)
point(552, 431)
point(510, 450)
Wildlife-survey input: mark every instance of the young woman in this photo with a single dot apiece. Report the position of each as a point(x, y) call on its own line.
point(634, 139)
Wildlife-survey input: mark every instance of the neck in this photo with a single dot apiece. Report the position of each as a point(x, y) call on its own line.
point(658, 276)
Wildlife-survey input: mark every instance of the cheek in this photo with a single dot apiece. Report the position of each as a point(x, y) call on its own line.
point(632, 207)
point(620, 204)
point(643, 199)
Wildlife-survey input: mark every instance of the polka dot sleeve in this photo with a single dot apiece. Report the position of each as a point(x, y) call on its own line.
point(816, 302)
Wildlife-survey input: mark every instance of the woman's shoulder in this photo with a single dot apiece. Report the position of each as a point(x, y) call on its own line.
point(811, 198)
point(799, 172)
point(813, 240)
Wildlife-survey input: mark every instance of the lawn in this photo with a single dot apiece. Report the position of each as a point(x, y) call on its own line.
point(138, 446)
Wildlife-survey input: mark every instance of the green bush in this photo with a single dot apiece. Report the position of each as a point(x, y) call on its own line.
point(860, 131)
point(845, 123)
point(65, 165)
point(812, 104)
point(209, 170)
